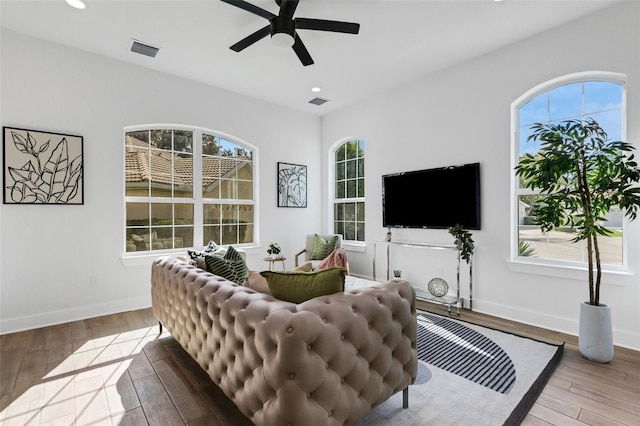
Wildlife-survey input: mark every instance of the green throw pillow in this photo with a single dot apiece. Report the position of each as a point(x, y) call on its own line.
point(231, 267)
point(322, 248)
point(297, 287)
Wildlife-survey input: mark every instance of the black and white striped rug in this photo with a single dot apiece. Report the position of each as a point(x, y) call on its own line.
point(456, 348)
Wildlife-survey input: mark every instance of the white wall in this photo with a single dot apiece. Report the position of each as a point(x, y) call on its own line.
point(462, 115)
point(49, 252)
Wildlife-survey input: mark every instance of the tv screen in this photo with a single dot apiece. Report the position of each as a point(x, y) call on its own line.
point(434, 198)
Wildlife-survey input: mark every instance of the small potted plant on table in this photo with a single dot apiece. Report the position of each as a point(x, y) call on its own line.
point(273, 250)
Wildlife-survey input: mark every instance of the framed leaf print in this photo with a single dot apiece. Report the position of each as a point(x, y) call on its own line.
point(292, 185)
point(42, 167)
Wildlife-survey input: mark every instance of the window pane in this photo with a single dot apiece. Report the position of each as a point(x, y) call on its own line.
point(161, 139)
point(161, 214)
point(211, 233)
point(352, 149)
point(565, 101)
point(339, 211)
point(352, 189)
point(341, 171)
point(360, 188)
point(245, 170)
point(350, 211)
point(534, 111)
point(352, 169)
point(341, 189)
point(611, 122)
point(184, 236)
point(360, 212)
point(350, 231)
point(136, 180)
point(361, 167)
point(228, 188)
point(183, 142)
point(601, 95)
point(183, 214)
point(338, 227)
point(245, 190)
point(138, 214)
point(360, 231)
point(341, 153)
point(212, 214)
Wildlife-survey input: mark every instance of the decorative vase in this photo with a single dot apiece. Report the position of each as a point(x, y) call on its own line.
point(595, 338)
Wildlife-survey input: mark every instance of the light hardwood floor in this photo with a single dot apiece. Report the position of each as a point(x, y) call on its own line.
point(118, 370)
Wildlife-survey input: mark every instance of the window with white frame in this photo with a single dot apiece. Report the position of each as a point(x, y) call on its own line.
point(184, 187)
point(348, 203)
point(585, 95)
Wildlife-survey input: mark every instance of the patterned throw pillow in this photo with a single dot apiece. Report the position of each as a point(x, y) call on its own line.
point(231, 267)
point(297, 287)
point(322, 247)
point(197, 256)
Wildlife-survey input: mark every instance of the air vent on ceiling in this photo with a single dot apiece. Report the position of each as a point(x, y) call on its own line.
point(143, 49)
point(318, 101)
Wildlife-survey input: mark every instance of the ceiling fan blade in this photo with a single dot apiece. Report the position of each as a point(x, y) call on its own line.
point(301, 51)
point(250, 8)
point(249, 40)
point(288, 8)
point(324, 25)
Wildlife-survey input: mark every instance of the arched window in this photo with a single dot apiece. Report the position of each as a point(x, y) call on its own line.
point(600, 96)
point(348, 197)
point(185, 186)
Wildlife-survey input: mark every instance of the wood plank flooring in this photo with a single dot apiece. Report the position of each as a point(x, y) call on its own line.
point(117, 370)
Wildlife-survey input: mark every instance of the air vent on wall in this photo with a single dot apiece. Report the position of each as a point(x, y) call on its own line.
point(318, 101)
point(143, 49)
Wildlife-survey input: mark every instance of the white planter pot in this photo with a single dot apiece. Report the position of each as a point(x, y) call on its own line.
point(595, 338)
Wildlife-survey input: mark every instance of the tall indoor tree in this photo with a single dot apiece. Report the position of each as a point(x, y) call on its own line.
point(581, 176)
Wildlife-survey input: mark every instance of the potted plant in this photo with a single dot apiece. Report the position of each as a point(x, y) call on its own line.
point(581, 176)
point(463, 242)
point(273, 250)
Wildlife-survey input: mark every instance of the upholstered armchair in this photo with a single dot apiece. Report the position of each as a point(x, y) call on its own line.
point(308, 250)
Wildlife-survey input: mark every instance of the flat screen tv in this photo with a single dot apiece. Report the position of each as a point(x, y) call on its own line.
point(434, 198)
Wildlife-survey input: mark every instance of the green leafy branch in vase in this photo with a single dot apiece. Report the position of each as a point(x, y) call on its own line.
point(463, 242)
point(55, 181)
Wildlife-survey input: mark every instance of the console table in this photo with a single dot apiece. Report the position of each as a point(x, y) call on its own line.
point(446, 300)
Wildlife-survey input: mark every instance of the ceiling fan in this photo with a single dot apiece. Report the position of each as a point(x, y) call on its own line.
point(282, 27)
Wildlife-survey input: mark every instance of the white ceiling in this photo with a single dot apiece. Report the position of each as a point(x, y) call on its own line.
point(399, 41)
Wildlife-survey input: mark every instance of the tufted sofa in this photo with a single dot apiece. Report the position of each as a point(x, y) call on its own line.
point(327, 361)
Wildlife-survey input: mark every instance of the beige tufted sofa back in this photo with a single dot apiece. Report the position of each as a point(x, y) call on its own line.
point(326, 361)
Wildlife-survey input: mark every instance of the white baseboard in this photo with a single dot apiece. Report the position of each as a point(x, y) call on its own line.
point(45, 319)
point(622, 338)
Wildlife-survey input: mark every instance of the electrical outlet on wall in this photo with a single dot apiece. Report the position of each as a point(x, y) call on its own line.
point(93, 281)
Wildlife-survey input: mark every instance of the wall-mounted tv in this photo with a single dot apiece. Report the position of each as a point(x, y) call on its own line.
point(434, 198)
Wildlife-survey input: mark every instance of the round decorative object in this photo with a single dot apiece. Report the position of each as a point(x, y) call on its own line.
point(438, 287)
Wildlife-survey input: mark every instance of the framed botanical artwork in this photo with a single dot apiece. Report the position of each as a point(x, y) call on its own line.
point(42, 167)
point(292, 185)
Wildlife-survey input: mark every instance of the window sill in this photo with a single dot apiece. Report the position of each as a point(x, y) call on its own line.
point(579, 273)
point(355, 246)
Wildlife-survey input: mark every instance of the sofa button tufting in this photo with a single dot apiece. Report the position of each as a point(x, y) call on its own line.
point(330, 413)
point(370, 325)
point(342, 380)
point(308, 395)
point(290, 330)
point(342, 337)
point(353, 308)
point(308, 347)
point(292, 376)
point(324, 320)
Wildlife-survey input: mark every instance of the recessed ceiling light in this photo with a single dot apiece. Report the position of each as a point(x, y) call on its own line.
point(316, 89)
point(78, 4)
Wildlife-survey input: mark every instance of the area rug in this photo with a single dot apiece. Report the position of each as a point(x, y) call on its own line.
point(469, 375)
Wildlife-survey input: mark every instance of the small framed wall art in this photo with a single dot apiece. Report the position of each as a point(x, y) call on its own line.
point(292, 185)
point(42, 167)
